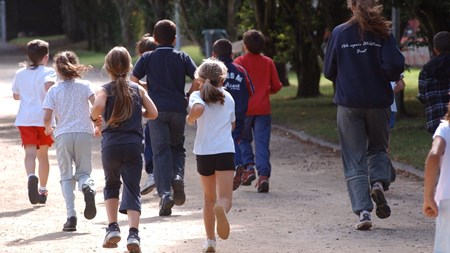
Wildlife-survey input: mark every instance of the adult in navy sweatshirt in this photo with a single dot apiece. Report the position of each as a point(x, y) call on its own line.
point(361, 59)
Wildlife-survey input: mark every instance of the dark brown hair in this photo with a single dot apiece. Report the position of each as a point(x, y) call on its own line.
point(222, 48)
point(254, 41)
point(212, 73)
point(368, 15)
point(36, 50)
point(145, 44)
point(68, 66)
point(441, 41)
point(118, 65)
point(165, 31)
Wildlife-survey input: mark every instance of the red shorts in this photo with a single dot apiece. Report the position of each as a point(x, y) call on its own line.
point(33, 135)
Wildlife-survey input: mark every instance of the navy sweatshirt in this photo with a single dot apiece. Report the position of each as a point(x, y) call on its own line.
point(362, 68)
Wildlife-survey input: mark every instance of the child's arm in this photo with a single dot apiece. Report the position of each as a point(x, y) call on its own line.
point(399, 86)
point(195, 113)
point(48, 121)
point(97, 109)
point(16, 96)
point(47, 85)
point(150, 108)
point(432, 166)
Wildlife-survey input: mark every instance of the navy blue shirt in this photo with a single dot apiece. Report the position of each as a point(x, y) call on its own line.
point(362, 68)
point(128, 131)
point(166, 69)
point(238, 84)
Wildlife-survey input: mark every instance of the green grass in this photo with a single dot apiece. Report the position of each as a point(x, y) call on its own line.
point(410, 141)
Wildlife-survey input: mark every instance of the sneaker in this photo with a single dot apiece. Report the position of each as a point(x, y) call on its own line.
point(238, 176)
point(71, 224)
point(149, 185)
point(263, 184)
point(209, 246)
point(134, 243)
point(112, 236)
point(89, 198)
point(248, 176)
point(179, 196)
point(365, 222)
point(42, 196)
point(383, 211)
point(33, 193)
point(165, 205)
point(222, 227)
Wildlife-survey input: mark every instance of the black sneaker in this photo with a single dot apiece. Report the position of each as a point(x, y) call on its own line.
point(42, 196)
point(383, 211)
point(71, 224)
point(112, 236)
point(365, 221)
point(134, 243)
point(179, 196)
point(89, 198)
point(165, 205)
point(33, 193)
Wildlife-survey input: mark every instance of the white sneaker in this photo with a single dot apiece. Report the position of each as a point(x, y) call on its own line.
point(209, 246)
point(365, 221)
point(149, 185)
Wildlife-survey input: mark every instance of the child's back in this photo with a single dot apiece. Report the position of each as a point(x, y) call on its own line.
point(29, 83)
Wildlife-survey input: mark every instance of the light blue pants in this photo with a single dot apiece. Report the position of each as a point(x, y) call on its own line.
point(364, 135)
point(74, 149)
point(442, 236)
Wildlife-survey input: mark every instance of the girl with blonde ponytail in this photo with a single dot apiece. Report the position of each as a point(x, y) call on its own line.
point(213, 109)
point(119, 103)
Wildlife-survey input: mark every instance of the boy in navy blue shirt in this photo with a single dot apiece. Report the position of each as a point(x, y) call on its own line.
point(166, 69)
point(239, 85)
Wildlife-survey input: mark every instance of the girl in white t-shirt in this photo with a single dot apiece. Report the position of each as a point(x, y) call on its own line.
point(213, 109)
point(69, 101)
point(437, 204)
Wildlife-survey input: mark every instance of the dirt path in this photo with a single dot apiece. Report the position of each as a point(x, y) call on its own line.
point(306, 210)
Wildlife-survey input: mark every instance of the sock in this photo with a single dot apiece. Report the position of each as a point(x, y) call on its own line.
point(134, 230)
point(42, 188)
point(31, 174)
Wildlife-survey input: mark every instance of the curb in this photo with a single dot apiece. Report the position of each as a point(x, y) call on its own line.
point(336, 148)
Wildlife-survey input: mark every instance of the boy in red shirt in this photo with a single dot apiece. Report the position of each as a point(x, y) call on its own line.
point(264, 76)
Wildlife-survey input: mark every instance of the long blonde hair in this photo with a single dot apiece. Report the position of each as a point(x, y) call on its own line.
point(211, 73)
point(118, 65)
point(368, 15)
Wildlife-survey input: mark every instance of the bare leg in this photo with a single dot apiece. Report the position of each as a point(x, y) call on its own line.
point(44, 165)
point(112, 206)
point(30, 158)
point(133, 218)
point(209, 201)
point(224, 181)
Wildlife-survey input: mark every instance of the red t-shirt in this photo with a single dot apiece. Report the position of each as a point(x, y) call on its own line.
point(264, 76)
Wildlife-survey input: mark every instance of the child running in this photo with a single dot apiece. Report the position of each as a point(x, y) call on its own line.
point(436, 200)
point(30, 85)
point(120, 101)
point(213, 109)
point(69, 101)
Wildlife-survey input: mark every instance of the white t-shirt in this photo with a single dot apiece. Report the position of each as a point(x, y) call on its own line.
point(29, 83)
point(214, 126)
point(443, 187)
point(394, 105)
point(69, 101)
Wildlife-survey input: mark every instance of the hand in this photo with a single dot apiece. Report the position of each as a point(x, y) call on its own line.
point(48, 131)
point(430, 208)
point(97, 121)
point(189, 121)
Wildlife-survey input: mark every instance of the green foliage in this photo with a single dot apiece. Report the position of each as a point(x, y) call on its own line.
point(194, 52)
point(410, 141)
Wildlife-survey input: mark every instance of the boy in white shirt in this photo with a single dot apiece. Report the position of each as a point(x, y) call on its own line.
point(30, 85)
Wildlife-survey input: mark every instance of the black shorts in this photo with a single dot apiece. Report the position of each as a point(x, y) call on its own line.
point(208, 164)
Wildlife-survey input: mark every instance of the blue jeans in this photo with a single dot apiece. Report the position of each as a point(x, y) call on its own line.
point(148, 153)
point(237, 136)
point(169, 155)
point(257, 128)
point(364, 134)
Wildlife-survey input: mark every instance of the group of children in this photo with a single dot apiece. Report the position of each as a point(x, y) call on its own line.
point(228, 101)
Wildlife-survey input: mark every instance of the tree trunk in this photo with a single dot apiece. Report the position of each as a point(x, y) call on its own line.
point(71, 24)
point(309, 76)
